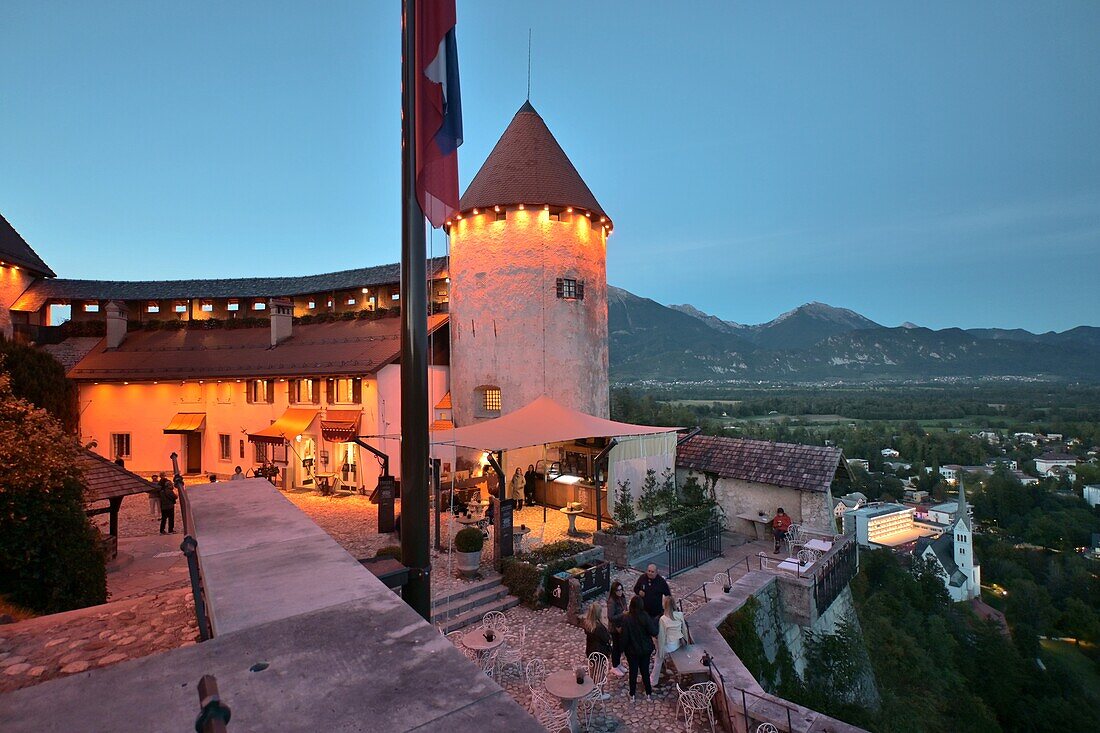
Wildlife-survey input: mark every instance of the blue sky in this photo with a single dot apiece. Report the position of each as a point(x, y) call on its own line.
point(932, 162)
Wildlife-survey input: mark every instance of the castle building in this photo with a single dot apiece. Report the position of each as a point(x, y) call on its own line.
point(283, 370)
point(952, 553)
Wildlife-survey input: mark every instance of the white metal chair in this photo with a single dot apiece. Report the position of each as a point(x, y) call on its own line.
point(795, 537)
point(549, 713)
point(455, 637)
point(488, 662)
point(766, 728)
point(535, 541)
point(696, 699)
point(598, 667)
point(511, 652)
point(721, 579)
point(806, 558)
point(496, 621)
point(536, 674)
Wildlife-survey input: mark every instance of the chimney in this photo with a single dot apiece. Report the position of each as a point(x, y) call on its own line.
point(117, 321)
point(282, 319)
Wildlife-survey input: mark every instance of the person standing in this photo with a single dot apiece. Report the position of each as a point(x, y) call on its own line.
point(154, 496)
point(597, 637)
point(670, 635)
point(616, 609)
point(517, 488)
point(652, 588)
point(529, 480)
point(167, 496)
point(639, 628)
point(781, 524)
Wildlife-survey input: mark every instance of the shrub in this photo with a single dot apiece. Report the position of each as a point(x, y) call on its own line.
point(666, 495)
point(690, 520)
point(555, 551)
point(393, 551)
point(692, 490)
point(522, 579)
point(650, 500)
point(469, 540)
point(624, 513)
point(50, 557)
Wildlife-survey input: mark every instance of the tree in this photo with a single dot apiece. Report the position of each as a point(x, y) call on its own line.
point(50, 557)
point(40, 379)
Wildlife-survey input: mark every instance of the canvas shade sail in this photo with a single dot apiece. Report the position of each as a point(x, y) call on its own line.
point(290, 425)
point(340, 426)
point(186, 422)
point(538, 423)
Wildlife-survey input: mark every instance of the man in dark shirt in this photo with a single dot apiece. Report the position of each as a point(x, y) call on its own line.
point(652, 588)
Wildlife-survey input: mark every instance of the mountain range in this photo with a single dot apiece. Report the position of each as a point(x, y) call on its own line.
point(818, 342)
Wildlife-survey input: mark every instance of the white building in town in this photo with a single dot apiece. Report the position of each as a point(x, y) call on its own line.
point(952, 553)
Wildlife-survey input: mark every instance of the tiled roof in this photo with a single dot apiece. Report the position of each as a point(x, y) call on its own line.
point(351, 348)
point(14, 250)
point(528, 166)
point(944, 548)
point(445, 403)
point(441, 425)
point(804, 467)
point(240, 287)
point(1052, 456)
point(70, 351)
point(105, 480)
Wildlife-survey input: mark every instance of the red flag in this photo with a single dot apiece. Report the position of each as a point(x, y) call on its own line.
point(438, 110)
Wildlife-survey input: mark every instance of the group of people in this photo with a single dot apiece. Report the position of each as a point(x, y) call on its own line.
point(522, 486)
point(646, 626)
point(163, 498)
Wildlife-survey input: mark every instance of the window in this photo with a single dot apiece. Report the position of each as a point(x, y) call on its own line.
point(261, 390)
point(225, 447)
point(180, 308)
point(91, 307)
point(345, 391)
point(260, 453)
point(351, 301)
point(487, 401)
point(330, 303)
point(233, 306)
point(501, 215)
point(555, 216)
point(120, 445)
point(395, 296)
point(570, 289)
point(259, 305)
point(304, 391)
point(152, 308)
point(311, 305)
point(207, 307)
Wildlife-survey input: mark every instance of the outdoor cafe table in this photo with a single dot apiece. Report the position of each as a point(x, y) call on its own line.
point(475, 640)
point(563, 685)
point(572, 514)
point(519, 534)
point(469, 521)
point(819, 545)
point(791, 564)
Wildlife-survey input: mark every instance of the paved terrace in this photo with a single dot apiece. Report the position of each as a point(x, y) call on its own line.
point(343, 653)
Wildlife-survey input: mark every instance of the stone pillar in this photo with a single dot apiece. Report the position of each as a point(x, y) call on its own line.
point(282, 319)
point(117, 320)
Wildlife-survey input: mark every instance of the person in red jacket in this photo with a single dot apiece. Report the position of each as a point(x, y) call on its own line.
point(780, 525)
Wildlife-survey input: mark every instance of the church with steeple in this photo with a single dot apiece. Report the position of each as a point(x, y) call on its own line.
point(953, 554)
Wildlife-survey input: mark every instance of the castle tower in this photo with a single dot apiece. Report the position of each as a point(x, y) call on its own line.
point(528, 281)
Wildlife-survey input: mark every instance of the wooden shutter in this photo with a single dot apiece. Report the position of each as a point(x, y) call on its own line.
point(357, 391)
point(292, 391)
point(270, 391)
point(561, 287)
point(330, 391)
point(580, 290)
point(316, 391)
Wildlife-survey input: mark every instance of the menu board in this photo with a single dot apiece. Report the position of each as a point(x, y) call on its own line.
point(505, 511)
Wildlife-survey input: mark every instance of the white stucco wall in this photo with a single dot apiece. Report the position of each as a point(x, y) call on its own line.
point(509, 328)
point(812, 508)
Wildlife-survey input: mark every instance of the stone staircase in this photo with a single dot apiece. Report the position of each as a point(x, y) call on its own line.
point(467, 606)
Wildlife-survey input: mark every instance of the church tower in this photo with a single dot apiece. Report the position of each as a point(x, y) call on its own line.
point(528, 281)
point(970, 585)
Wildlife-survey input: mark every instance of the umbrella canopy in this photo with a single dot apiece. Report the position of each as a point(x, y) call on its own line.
point(538, 423)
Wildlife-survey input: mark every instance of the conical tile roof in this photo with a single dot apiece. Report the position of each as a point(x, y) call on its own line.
point(528, 166)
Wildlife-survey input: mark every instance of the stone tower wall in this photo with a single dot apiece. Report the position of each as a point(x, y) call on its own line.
point(508, 327)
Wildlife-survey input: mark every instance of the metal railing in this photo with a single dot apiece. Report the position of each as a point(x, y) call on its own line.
point(834, 572)
point(694, 548)
point(726, 693)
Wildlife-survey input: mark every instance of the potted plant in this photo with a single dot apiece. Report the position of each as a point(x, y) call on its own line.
point(468, 544)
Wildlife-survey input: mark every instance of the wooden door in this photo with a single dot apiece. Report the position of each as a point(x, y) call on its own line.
point(194, 452)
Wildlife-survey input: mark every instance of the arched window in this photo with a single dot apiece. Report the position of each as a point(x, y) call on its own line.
point(487, 401)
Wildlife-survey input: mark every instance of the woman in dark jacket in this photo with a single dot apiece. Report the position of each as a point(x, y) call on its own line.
point(597, 638)
point(639, 630)
point(529, 480)
point(616, 609)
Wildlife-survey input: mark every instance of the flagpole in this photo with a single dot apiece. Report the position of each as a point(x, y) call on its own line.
point(414, 346)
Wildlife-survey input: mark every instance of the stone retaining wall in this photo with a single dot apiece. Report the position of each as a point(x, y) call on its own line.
point(625, 550)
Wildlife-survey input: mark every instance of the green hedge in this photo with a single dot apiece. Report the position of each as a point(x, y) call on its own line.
point(522, 579)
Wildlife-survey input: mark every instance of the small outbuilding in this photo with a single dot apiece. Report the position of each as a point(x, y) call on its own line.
point(108, 482)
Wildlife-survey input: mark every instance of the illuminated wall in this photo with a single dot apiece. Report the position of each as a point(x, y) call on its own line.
point(508, 327)
point(13, 281)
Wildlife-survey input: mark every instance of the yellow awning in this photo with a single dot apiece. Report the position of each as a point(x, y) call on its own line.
point(290, 425)
point(187, 422)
